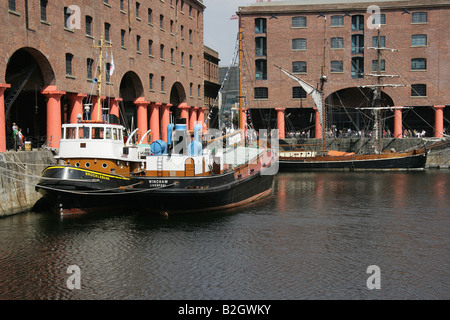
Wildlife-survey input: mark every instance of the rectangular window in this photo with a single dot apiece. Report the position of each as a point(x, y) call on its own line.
point(171, 26)
point(162, 83)
point(107, 29)
point(260, 46)
point(299, 22)
point(299, 67)
point(150, 81)
point(298, 44)
point(122, 38)
point(419, 17)
point(357, 68)
point(161, 51)
point(44, 10)
point(190, 61)
point(138, 6)
point(358, 23)
point(149, 15)
point(261, 93)
point(298, 93)
point(261, 69)
point(138, 43)
point(418, 90)
point(107, 73)
point(382, 43)
point(337, 21)
point(375, 65)
point(337, 43)
point(337, 66)
point(67, 13)
point(419, 64)
point(121, 5)
point(379, 19)
point(260, 25)
point(89, 65)
point(419, 40)
point(69, 58)
point(357, 43)
point(191, 87)
point(190, 35)
point(12, 5)
point(161, 22)
point(150, 47)
point(182, 58)
point(89, 26)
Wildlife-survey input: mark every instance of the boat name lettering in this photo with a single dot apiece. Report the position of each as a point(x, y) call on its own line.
point(158, 183)
point(95, 175)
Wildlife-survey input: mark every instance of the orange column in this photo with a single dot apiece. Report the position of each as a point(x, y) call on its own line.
point(3, 87)
point(165, 120)
point(439, 121)
point(280, 123)
point(318, 125)
point(243, 120)
point(96, 112)
point(76, 106)
point(201, 117)
point(185, 113)
point(141, 115)
point(114, 110)
point(53, 115)
point(192, 117)
point(154, 120)
point(398, 129)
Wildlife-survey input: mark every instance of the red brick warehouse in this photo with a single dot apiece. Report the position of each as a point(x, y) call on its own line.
point(49, 65)
point(292, 34)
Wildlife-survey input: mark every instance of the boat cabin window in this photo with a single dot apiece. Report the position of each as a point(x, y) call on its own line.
point(83, 133)
point(98, 132)
point(70, 133)
point(108, 133)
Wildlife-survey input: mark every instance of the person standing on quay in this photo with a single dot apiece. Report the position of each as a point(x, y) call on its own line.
point(15, 130)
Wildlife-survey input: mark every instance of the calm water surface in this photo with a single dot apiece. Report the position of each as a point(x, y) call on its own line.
point(313, 238)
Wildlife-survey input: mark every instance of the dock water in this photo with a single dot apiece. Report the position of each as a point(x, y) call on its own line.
point(20, 171)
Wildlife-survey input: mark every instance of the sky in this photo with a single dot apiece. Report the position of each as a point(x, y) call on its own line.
point(219, 31)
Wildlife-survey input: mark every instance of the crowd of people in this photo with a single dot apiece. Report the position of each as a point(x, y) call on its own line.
point(349, 133)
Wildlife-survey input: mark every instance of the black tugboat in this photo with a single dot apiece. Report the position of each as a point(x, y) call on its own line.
point(195, 170)
point(163, 177)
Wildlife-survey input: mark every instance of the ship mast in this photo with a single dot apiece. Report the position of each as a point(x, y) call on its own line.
point(241, 97)
point(323, 79)
point(100, 73)
point(377, 100)
point(377, 91)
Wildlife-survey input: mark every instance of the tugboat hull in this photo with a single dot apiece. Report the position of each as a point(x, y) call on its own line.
point(67, 190)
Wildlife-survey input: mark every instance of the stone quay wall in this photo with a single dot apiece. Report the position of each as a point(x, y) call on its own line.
point(19, 173)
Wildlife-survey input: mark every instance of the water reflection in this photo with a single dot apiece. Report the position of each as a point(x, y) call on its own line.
point(312, 239)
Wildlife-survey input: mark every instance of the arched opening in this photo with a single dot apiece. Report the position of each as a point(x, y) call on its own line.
point(352, 108)
point(130, 89)
point(28, 71)
point(177, 96)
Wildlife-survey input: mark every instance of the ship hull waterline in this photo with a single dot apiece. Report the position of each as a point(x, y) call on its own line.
point(65, 189)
